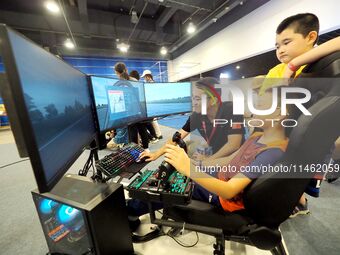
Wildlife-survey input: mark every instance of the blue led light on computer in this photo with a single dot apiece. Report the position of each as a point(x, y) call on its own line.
point(47, 205)
point(70, 217)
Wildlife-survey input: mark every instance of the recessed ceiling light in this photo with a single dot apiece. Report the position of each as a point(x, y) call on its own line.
point(224, 75)
point(191, 28)
point(52, 6)
point(243, 77)
point(164, 51)
point(123, 47)
point(238, 67)
point(134, 17)
point(69, 44)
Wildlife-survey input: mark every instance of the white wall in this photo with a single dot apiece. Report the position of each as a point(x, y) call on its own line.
point(252, 35)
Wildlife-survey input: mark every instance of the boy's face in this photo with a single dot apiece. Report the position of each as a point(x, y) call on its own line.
point(290, 44)
point(264, 102)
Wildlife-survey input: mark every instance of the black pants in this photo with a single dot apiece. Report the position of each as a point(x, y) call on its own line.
point(151, 129)
point(143, 132)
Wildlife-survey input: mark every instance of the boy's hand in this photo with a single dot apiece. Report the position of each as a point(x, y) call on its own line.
point(148, 155)
point(177, 157)
point(288, 73)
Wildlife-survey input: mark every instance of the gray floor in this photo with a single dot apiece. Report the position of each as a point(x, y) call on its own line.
point(317, 233)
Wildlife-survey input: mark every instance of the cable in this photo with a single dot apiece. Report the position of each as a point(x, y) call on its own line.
point(13, 163)
point(140, 16)
point(67, 24)
point(182, 244)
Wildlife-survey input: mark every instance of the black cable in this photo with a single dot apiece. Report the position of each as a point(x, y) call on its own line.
point(184, 245)
point(14, 163)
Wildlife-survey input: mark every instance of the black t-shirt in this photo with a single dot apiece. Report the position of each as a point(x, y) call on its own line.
point(220, 136)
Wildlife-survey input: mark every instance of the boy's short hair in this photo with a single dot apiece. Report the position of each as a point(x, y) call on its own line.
point(302, 23)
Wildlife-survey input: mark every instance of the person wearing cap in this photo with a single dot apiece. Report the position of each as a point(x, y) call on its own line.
point(147, 75)
point(223, 139)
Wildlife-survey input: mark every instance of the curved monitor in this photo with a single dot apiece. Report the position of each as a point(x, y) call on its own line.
point(163, 99)
point(118, 102)
point(49, 103)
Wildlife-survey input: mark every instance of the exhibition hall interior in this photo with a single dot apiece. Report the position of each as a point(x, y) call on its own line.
point(165, 126)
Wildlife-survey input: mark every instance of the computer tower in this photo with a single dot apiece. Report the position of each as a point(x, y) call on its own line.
point(81, 217)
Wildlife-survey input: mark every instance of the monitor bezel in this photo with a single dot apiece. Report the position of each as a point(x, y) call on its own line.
point(169, 114)
point(95, 109)
point(18, 114)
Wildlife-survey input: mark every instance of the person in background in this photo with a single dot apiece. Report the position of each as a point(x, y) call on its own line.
point(147, 75)
point(223, 139)
point(140, 128)
point(122, 134)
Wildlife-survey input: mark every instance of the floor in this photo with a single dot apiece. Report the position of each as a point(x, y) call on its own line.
point(317, 233)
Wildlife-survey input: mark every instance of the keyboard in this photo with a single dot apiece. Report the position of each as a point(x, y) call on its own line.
point(123, 162)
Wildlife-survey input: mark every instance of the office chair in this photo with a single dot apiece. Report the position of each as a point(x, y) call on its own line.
point(270, 200)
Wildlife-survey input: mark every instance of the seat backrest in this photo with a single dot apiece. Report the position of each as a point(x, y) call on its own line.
point(270, 199)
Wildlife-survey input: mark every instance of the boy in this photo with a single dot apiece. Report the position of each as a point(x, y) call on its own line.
point(296, 37)
point(295, 40)
point(261, 149)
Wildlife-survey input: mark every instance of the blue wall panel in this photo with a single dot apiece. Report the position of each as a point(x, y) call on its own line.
point(104, 66)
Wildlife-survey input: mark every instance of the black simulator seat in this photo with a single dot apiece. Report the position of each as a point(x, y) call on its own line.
point(270, 200)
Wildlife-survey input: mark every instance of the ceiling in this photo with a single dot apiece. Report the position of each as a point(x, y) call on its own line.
point(97, 25)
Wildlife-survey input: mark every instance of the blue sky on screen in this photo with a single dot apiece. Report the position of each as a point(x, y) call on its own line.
point(159, 91)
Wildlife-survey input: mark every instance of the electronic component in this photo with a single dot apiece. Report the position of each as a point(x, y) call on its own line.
point(147, 186)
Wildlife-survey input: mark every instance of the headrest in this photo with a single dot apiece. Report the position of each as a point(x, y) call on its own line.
point(271, 199)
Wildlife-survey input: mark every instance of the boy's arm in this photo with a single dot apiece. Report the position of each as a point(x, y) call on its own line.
point(314, 54)
point(227, 190)
point(234, 143)
point(150, 156)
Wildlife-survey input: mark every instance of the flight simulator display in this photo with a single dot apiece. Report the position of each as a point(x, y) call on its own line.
point(167, 98)
point(118, 102)
point(50, 104)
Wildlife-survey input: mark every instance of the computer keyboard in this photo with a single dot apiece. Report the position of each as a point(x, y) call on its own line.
point(120, 161)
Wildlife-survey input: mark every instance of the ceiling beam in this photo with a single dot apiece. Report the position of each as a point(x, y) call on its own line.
point(84, 18)
point(101, 23)
point(187, 6)
point(165, 16)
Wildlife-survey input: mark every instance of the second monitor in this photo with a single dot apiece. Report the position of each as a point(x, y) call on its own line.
point(118, 102)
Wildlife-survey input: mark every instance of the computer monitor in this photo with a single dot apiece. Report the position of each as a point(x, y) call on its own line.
point(118, 102)
point(164, 99)
point(50, 104)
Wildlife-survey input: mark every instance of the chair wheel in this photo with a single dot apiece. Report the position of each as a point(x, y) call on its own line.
point(216, 252)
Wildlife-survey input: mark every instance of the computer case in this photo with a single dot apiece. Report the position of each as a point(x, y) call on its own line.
point(81, 217)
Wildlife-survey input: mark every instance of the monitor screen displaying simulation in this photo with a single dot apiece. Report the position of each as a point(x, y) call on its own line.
point(118, 102)
point(167, 98)
point(53, 106)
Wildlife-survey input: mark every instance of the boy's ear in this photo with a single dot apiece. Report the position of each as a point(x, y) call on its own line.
point(312, 37)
